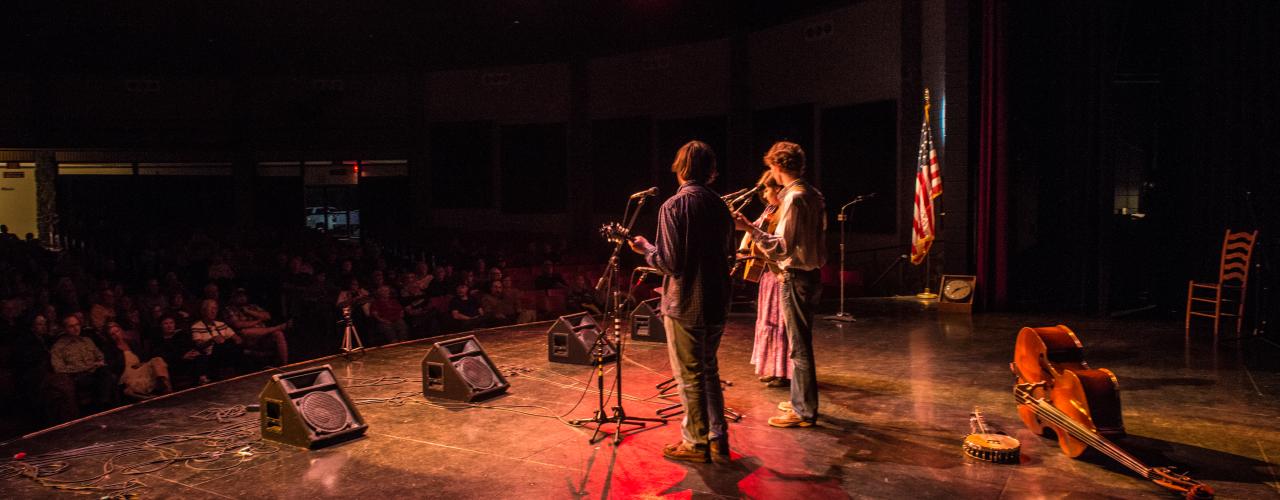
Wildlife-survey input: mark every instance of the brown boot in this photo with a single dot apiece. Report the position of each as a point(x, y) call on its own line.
point(720, 450)
point(685, 452)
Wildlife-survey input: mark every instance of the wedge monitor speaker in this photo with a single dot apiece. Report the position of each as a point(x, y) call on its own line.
point(459, 369)
point(308, 408)
point(572, 338)
point(646, 322)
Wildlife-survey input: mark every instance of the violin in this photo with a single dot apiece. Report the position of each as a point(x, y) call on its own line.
point(1058, 391)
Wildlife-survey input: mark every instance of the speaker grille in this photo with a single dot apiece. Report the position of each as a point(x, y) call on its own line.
point(324, 412)
point(476, 373)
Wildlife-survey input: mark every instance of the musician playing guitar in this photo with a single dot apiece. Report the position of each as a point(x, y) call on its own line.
point(770, 354)
point(798, 245)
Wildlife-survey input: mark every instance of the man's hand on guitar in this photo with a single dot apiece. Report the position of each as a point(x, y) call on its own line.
point(741, 223)
point(639, 244)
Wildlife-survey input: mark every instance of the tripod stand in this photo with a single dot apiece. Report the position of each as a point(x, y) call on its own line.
point(350, 337)
point(609, 283)
point(842, 316)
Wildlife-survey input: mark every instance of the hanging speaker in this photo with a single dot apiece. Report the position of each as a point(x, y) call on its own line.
point(646, 322)
point(572, 339)
point(308, 408)
point(459, 369)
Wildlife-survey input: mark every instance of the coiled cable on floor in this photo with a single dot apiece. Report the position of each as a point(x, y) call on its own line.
point(225, 447)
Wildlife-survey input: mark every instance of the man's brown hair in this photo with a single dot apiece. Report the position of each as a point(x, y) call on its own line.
point(695, 162)
point(788, 156)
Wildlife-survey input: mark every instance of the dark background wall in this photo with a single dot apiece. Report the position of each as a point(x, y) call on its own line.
point(547, 124)
point(1142, 107)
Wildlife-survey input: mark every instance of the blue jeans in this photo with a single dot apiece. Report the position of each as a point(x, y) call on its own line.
point(801, 291)
point(697, 371)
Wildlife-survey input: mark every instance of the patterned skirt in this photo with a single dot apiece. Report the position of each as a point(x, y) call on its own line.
point(771, 354)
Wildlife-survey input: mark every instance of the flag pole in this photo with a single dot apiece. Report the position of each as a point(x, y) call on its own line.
point(927, 294)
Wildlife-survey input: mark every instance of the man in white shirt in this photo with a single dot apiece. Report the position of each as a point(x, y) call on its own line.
point(217, 343)
point(798, 247)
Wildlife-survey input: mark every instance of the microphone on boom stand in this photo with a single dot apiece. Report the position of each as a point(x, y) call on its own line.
point(653, 191)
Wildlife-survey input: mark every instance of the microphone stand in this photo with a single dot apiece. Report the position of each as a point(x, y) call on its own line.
point(609, 283)
point(843, 316)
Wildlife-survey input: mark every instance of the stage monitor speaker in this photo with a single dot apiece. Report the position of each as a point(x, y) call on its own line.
point(308, 408)
point(571, 339)
point(646, 322)
point(459, 369)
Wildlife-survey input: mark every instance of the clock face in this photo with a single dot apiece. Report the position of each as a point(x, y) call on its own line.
point(957, 290)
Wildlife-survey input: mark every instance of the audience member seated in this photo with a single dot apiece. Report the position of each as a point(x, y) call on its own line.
point(77, 357)
point(354, 296)
point(211, 292)
point(494, 274)
point(250, 320)
point(217, 343)
point(152, 297)
point(465, 312)
point(139, 380)
point(417, 307)
point(583, 298)
point(178, 308)
point(177, 350)
point(103, 310)
point(388, 316)
point(549, 278)
point(220, 271)
point(502, 307)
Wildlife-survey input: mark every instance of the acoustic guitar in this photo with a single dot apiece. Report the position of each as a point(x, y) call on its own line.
point(751, 261)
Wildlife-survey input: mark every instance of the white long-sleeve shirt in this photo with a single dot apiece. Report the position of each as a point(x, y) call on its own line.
point(800, 240)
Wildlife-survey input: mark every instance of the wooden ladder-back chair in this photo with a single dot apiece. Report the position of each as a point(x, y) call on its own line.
point(1233, 276)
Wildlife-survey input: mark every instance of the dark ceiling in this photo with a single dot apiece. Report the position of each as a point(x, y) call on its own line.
point(341, 36)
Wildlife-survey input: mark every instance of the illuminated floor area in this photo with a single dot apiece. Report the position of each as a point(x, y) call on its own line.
point(897, 387)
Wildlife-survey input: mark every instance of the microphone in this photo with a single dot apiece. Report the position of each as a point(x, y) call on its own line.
point(734, 194)
point(747, 194)
point(653, 191)
point(648, 270)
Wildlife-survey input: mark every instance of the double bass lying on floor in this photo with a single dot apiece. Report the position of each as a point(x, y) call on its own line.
point(1058, 391)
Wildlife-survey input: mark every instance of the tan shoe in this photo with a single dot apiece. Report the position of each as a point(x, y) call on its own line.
point(685, 452)
point(784, 406)
point(789, 419)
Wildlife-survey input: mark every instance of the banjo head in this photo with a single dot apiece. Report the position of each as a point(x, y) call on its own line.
point(996, 448)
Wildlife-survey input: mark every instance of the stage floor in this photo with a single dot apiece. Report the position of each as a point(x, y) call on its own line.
point(897, 387)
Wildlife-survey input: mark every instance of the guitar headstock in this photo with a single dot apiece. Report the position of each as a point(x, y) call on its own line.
point(1169, 478)
point(614, 232)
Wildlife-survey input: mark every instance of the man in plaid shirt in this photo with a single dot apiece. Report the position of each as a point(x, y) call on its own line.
point(692, 249)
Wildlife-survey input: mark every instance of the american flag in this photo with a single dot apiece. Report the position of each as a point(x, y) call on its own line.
point(928, 187)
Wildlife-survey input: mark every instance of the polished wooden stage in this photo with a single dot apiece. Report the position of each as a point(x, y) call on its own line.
point(897, 387)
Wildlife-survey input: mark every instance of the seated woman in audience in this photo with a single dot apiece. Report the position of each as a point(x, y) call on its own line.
point(140, 380)
point(103, 310)
point(177, 350)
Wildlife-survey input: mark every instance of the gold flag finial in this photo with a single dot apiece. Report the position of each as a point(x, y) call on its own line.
point(926, 103)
